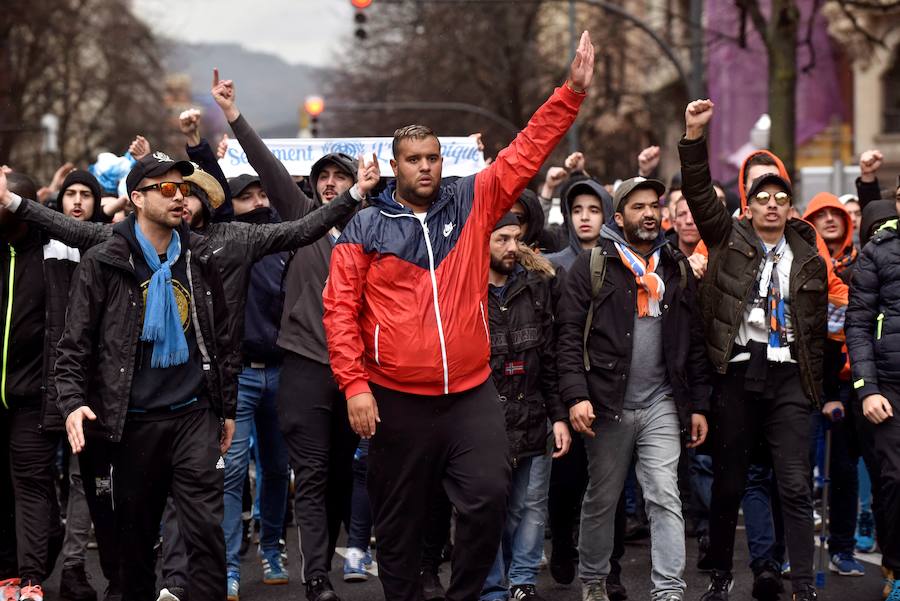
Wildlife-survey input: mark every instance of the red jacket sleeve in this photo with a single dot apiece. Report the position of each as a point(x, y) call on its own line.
point(498, 187)
point(342, 299)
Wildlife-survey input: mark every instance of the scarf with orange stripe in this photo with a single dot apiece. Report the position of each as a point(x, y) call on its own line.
point(650, 287)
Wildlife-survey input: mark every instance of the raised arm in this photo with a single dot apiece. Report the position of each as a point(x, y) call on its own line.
point(867, 187)
point(710, 215)
point(498, 186)
point(285, 195)
point(80, 234)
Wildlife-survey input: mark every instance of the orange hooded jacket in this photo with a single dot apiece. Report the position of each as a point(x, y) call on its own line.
point(838, 291)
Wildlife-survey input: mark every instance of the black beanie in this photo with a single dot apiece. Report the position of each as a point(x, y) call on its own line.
point(86, 178)
point(508, 219)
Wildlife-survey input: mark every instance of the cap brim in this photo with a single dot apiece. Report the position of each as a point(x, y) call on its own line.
point(210, 185)
point(769, 178)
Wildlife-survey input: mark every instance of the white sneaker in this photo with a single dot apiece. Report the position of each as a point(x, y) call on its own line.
point(354, 566)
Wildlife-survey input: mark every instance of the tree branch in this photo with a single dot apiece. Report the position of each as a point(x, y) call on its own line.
point(757, 18)
point(857, 26)
point(808, 40)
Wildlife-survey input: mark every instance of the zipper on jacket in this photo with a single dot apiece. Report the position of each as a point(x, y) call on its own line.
point(377, 332)
point(7, 326)
point(879, 322)
point(484, 322)
point(437, 307)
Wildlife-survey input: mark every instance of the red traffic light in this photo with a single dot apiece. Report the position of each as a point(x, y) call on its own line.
point(361, 3)
point(314, 105)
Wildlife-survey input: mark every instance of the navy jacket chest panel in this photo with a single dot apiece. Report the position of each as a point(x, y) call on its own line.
point(401, 234)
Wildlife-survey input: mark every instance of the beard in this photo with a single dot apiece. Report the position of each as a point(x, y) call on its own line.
point(506, 265)
point(636, 232)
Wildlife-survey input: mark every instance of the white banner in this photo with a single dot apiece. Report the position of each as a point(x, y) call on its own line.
point(461, 155)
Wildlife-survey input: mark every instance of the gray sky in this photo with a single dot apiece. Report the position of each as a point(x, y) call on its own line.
point(299, 31)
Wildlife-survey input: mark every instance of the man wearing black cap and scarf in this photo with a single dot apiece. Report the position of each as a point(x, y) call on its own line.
point(147, 367)
point(764, 306)
point(634, 381)
point(311, 409)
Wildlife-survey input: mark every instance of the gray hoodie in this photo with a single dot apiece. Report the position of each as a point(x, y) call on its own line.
point(566, 256)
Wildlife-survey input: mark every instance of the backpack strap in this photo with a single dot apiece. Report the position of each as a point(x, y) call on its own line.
point(598, 273)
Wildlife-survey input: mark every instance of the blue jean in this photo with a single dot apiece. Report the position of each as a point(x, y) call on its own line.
point(522, 544)
point(764, 529)
point(256, 402)
point(701, 474)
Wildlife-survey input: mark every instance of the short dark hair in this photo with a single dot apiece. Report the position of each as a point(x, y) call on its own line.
point(412, 132)
point(21, 184)
point(759, 158)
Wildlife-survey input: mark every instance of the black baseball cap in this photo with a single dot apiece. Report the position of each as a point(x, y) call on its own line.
point(769, 178)
point(153, 165)
point(238, 184)
point(636, 183)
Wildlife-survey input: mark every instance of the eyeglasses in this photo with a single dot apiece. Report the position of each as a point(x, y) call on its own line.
point(781, 198)
point(167, 189)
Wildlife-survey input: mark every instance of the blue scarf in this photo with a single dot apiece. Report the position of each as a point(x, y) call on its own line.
point(162, 322)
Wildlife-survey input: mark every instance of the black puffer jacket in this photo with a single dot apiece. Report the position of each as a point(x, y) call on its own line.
point(734, 263)
point(96, 355)
point(523, 350)
point(610, 342)
point(873, 316)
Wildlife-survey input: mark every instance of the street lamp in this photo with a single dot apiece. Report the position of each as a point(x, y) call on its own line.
point(314, 106)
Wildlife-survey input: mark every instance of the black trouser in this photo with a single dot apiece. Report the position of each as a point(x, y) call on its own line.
point(457, 441)
point(865, 432)
point(437, 530)
point(312, 413)
point(568, 481)
point(747, 425)
point(887, 450)
point(177, 454)
point(95, 461)
point(9, 565)
point(39, 532)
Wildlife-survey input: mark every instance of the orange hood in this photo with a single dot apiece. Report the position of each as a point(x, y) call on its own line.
point(743, 175)
point(826, 199)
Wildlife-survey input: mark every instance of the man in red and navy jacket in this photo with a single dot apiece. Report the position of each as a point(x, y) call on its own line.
point(406, 321)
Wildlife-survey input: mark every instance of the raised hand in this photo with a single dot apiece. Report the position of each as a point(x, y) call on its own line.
point(869, 163)
point(575, 162)
point(60, 175)
point(189, 123)
point(582, 70)
point(648, 160)
point(367, 175)
point(224, 95)
point(222, 147)
point(696, 117)
point(555, 176)
point(139, 147)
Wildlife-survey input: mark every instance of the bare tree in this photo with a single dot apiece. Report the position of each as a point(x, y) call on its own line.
point(92, 64)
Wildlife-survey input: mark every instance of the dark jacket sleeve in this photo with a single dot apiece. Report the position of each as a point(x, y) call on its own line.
point(556, 410)
point(268, 238)
point(203, 155)
point(710, 215)
point(573, 310)
point(285, 195)
point(699, 369)
point(867, 192)
point(860, 323)
point(79, 234)
point(76, 347)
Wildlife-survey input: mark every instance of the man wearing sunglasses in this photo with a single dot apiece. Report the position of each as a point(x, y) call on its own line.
point(143, 363)
point(764, 307)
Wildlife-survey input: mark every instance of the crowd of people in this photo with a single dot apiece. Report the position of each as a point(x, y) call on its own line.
point(430, 364)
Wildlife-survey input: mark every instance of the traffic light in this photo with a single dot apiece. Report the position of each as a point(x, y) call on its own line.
point(360, 17)
point(314, 106)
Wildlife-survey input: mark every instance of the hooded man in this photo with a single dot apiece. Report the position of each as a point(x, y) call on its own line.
point(764, 307)
point(835, 226)
point(632, 374)
point(586, 205)
point(312, 412)
point(530, 214)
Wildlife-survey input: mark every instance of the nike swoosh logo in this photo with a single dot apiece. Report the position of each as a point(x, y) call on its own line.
point(218, 249)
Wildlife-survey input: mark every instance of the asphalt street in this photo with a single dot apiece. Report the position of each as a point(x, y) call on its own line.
point(636, 576)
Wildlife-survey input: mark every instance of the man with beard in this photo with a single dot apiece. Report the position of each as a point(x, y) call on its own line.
point(523, 367)
point(408, 341)
point(631, 372)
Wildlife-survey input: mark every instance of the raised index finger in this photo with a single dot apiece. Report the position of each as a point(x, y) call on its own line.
point(215, 76)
